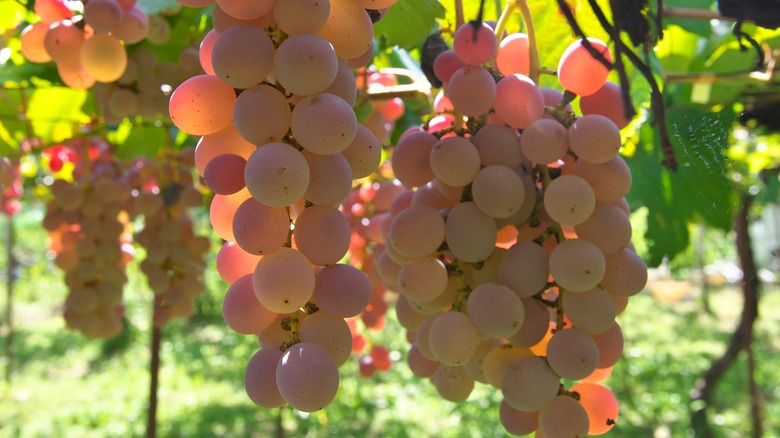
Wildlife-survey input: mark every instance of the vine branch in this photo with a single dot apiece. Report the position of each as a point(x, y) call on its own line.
point(656, 97)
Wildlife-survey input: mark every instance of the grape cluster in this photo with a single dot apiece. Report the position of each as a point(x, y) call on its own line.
point(174, 260)
point(368, 209)
point(384, 111)
point(91, 239)
point(280, 145)
point(89, 47)
point(145, 86)
point(513, 255)
point(10, 187)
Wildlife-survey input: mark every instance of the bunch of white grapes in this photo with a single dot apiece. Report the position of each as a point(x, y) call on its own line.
point(91, 238)
point(513, 255)
point(280, 146)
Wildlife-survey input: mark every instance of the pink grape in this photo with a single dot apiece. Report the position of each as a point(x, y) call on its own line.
point(595, 139)
point(472, 90)
point(475, 46)
point(225, 174)
point(260, 229)
point(455, 161)
point(600, 405)
point(277, 175)
point(223, 209)
point(225, 141)
point(301, 16)
point(224, 21)
point(134, 27)
point(283, 280)
point(364, 153)
point(346, 14)
point(513, 55)
point(233, 262)
point(244, 10)
point(52, 11)
point(103, 15)
point(518, 101)
point(498, 144)
point(344, 85)
point(206, 49)
point(63, 42)
point(322, 234)
point(607, 102)
point(581, 73)
point(446, 64)
point(307, 377)
point(262, 115)
point(411, 159)
point(329, 332)
point(545, 141)
point(305, 64)
point(330, 178)
point(417, 231)
point(341, 290)
point(324, 124)
point(243, 56)
point(471, 234)
point(260, 378)
point(201, 105)
point(32, 41)
point(241, 310)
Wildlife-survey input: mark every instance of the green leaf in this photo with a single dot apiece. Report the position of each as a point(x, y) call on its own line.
point(471, 9)
point(12, 13)
point(187, 29)
point(700, 190)
point(133, 141)
point(12, 127)
point(56, 112)
point(770, 192)
point(701, 27)
point(155, 6)
point(409, 22)
point(678, 48)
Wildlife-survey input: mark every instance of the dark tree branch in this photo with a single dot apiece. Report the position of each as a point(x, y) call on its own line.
point(154, 381)
point(11, 272)
point(614, 33)
point(656, 98)
point(742, 336)
point(757, 47)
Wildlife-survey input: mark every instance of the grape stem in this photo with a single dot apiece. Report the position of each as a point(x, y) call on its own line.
point(295, 337)
point(459, 18)
point(555, 227)
point(535, 66)
point(463, 292)
point(573, 394)
point(559, 311)
point(420, 87)
point(288, 242)
point(509, 9)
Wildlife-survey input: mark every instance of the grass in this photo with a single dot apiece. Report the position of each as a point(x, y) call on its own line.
point(66, 385)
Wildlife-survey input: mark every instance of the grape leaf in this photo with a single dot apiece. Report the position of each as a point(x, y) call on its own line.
point(701, 27)
point(56, 112)
point(12, 128)
point(155, 6)
point(11, 13)
point(700, 189)
point(408, 22)
point(678, 48)
point(134, 141)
